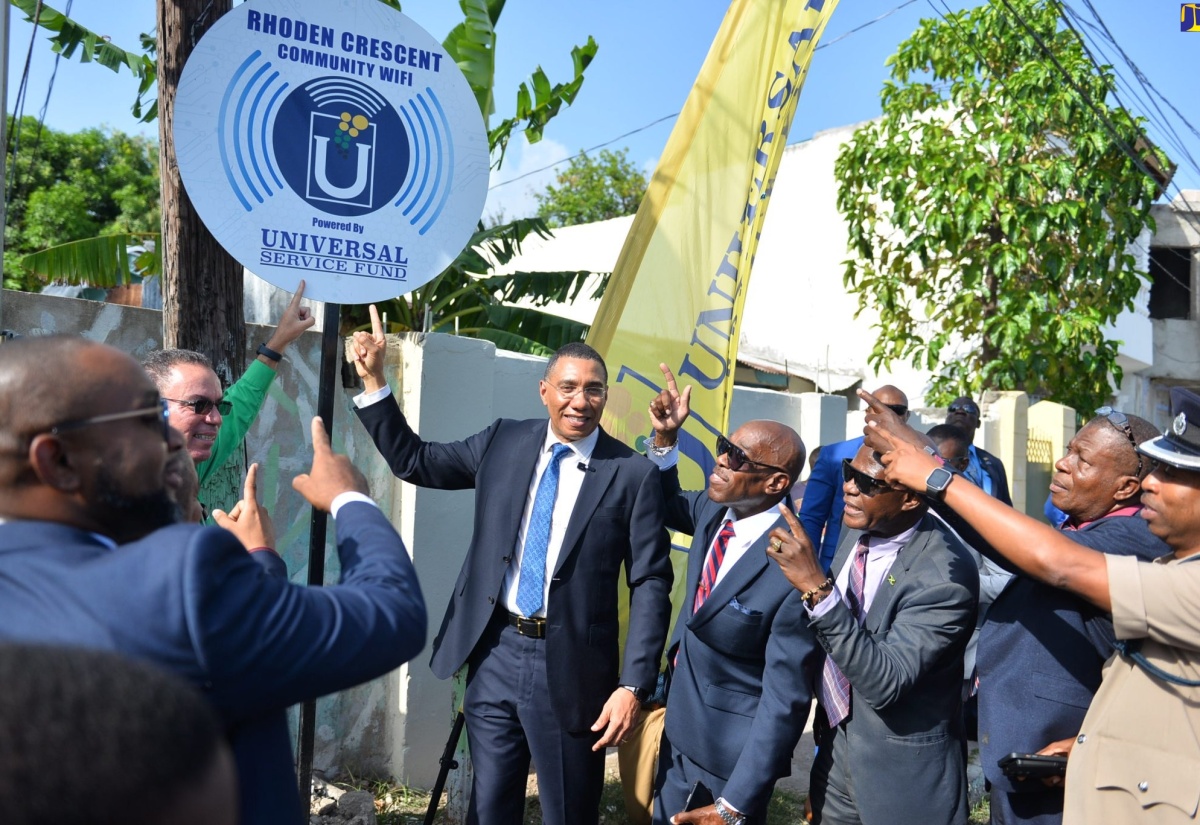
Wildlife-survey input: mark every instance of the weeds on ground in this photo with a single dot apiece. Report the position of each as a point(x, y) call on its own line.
point(398, 805)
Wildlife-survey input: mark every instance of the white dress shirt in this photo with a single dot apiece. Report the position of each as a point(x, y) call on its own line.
point(572, 471)
point(881, 554)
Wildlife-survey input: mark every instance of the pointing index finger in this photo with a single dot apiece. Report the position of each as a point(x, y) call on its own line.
point(376, 323)
point(666, 371)
point(294, 304)
point(793, 524)
point(874, 403)
point(320, 437)
point(250, 492)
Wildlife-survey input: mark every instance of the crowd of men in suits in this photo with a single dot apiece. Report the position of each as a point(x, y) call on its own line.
point(863, 597)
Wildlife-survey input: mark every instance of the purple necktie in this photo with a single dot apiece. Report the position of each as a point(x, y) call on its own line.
point(834, 691)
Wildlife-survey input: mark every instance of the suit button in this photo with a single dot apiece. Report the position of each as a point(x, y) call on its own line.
point(1081, 739)
point(506, 559)
point(1143, 786)
point(491, 600)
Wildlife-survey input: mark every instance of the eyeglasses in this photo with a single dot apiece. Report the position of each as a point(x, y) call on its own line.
point(866, 485)
point(160, 411)
point(738, 458)
point(590, 393)
point(968, 408)
point(1121, 422)
point(898, 409)
point(203, 406)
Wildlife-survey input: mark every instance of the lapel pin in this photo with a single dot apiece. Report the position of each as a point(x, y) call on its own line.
point(891, 579)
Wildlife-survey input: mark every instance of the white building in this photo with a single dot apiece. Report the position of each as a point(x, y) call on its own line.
point(800, 331)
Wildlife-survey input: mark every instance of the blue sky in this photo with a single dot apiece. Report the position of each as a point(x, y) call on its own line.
point(650, 52)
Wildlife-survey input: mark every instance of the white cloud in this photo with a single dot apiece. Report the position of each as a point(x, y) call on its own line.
point(516, 199)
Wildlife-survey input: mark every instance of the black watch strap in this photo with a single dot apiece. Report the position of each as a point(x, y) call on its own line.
point(269, 354)
point(638, 693)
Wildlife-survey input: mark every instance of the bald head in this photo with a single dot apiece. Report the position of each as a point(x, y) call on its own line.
point(41, 383)
point(82, 438)
point(893, 397)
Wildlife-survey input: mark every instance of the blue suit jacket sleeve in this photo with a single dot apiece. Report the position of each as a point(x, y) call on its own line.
point(451, 465)
point(782, 710)
point(265, 643)
point(817, 504)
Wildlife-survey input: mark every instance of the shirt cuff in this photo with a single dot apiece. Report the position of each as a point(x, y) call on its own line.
point(366, 399)
point(349, 497)
point(666, 460)
point(826, 604)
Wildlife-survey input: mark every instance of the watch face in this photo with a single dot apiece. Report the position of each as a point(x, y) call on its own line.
point(938, 480)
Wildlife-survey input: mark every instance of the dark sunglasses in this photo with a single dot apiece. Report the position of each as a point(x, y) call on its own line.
point(738, 458)
point(969, 409)
point(1118, 420)
point(203, 406)
point(159, 412)
point(898, 409)
point(866, 485)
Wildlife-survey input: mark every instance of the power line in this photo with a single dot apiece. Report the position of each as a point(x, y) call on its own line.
point(837, 39)
point(19, 107)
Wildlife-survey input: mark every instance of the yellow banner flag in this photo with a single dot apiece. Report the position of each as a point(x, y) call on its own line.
point(677, 291)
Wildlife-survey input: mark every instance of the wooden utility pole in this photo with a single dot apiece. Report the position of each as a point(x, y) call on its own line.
point(202, 283)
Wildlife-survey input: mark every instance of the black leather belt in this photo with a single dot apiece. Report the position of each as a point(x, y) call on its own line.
point(534, 628)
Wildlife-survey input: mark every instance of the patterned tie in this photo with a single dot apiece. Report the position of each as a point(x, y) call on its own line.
point(834, 691)
point(531, 587)
point(712, 563)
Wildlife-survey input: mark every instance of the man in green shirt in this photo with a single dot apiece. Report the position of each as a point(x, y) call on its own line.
point(213, 423)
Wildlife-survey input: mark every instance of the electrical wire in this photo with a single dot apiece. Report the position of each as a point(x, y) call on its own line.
point(19, 110)
point(837, 39)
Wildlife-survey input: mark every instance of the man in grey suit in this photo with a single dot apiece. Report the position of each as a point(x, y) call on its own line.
point(894, 619)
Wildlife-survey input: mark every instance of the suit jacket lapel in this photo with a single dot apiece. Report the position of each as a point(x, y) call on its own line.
point(745, 570)
point(596, 481)
point(846, 543)
point(522, 457)
point(881, 605)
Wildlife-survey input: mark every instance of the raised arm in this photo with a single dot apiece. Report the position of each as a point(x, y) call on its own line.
point(1035, 548)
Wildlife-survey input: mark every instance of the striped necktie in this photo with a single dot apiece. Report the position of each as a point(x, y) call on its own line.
point(712, 564)
point(834, 691)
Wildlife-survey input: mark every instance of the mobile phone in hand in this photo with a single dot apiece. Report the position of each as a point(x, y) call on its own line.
point(698, 797)
point(1032, 766)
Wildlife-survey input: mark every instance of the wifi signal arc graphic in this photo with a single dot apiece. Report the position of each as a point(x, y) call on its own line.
point(431, 167)
point(251, 97)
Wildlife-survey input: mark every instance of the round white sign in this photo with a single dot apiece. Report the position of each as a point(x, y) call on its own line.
point(332, 141)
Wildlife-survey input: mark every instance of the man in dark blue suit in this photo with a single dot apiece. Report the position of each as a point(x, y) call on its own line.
point(739, 691)
point(983, 469)
point(824, 503)
point(89, 557)
point(1042, 649)
point(560, 506)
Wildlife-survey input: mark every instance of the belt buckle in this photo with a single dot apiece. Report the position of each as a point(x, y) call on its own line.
point(531, 626)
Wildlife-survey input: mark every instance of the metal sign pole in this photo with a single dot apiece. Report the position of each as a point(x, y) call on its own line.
point(331, 358)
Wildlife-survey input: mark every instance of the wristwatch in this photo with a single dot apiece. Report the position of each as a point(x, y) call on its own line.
point(939, 479)
point(638, 693)
point(269, 354)
point(730, 816)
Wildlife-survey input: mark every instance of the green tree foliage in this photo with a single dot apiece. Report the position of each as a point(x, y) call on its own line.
point(68, 187)
point(992, 207)
point(591, 190)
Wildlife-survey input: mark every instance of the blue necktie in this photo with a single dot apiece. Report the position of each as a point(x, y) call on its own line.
point(537, 537)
